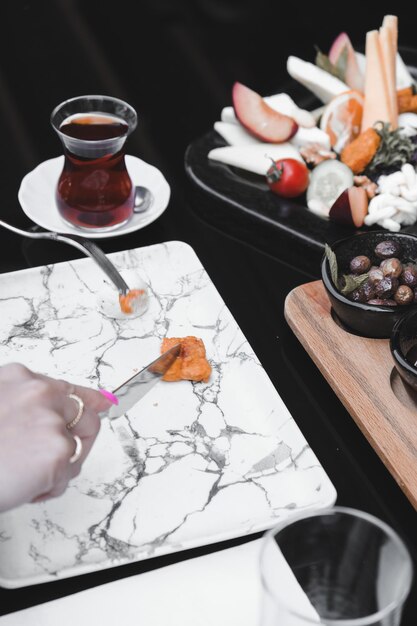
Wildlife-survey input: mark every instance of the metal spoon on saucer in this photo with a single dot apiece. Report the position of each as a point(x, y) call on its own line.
point(143, 199)
point(85, 245)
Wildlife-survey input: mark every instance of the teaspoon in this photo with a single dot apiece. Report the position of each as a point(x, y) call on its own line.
point(143, 199)
point(85, 245)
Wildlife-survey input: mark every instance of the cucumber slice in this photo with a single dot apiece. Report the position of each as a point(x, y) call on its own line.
point(327, 181)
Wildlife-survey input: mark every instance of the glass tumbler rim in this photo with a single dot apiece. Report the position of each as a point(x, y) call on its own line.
point(111, 99)
point(368, 620)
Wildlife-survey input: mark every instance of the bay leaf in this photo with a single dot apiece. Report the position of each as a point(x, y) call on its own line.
point(334, 272)
point(352, 282)
point(323, 62)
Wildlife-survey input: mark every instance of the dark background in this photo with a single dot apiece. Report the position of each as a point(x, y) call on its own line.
point(175, 62)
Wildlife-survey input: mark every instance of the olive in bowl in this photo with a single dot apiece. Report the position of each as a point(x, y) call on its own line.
point(376, 281)
point(404, 347)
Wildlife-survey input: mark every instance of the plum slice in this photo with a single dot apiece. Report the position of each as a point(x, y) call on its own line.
point(351, 207)
point(259, 118)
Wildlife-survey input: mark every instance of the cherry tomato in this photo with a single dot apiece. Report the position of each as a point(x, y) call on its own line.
point(287, 177)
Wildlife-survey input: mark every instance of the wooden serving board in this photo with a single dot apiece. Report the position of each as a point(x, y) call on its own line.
point(361, 372)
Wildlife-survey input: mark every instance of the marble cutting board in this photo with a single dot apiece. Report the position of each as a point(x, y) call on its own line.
point(205, 462)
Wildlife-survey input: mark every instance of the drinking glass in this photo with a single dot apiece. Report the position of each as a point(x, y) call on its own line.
point(335, 567)
point(94, 191)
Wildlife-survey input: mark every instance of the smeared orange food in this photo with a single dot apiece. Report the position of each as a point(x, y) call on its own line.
point(127, 301)
point(191, 364)
point(358, 154)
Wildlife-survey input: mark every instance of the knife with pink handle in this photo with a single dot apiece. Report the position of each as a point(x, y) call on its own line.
point(133, 389)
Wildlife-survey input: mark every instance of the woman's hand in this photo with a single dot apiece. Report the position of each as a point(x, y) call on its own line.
point(35, 443)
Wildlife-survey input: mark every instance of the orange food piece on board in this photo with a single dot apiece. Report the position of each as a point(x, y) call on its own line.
point(406, 91)
point(358, 154)
point(191, 364)
point(127, 301)
point(342, 118)
point(407, 100)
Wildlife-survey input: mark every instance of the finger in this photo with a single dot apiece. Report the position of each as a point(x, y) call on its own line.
point(53, 394)
point(93, 400)
point(70, 470)
point(58, 490)
point(58, 470)
point(88, 443)
point(57, 394)
point(41, 498)
point(67, 472)
point(15, 372)
point(94, 403)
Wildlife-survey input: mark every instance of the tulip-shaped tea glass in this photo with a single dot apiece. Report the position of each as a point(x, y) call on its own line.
point(337, 567)
point(94, 191)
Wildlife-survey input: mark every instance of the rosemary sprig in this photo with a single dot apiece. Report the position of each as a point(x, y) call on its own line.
point(394, 150)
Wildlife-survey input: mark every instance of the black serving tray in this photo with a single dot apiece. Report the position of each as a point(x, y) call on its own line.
point(241, 205)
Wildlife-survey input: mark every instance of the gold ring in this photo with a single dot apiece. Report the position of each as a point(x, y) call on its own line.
point(80, 404)
point(78, 449)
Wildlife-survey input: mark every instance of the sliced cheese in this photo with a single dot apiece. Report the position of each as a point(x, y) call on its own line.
point(307, 136)
point(391, 22)
point(256, 159)
point(377, 107)
point(228, 116)
point(235, 134)
point(388, 57)
point(318, 81)
point(404, 78)
point(283, 103)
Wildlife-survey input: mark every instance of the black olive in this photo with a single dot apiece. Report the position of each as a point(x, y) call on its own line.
point(368, 290)
point(391, 267)
point(387, 249)
point(409, 276)
point(375, 273)
point(386, 287)
point(357, 295)
point(380, 302)
point(404, 295)
point(360, 264)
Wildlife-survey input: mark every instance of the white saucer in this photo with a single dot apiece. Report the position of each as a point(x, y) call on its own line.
point(37, 197)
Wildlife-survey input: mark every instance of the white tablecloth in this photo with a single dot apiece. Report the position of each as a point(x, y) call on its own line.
point(218, 589)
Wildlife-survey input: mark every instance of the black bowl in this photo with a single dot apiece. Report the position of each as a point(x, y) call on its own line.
point(404, 347)
point(368, 320)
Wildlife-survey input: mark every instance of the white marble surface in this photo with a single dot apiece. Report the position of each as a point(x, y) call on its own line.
point(204, 461)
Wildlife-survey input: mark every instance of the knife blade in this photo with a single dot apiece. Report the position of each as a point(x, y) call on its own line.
point(134, 388)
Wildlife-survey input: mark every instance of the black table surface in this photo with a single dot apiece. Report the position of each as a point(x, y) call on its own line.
point(174, 61)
